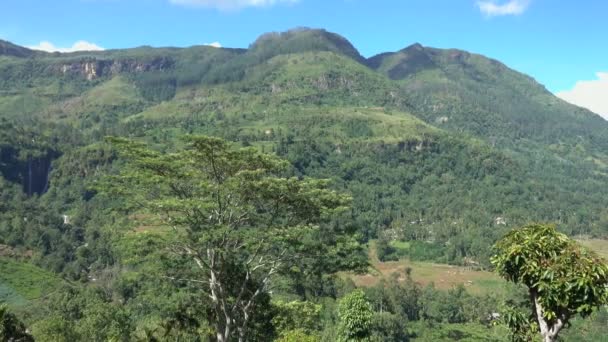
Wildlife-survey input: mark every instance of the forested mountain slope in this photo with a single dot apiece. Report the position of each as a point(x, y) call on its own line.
point(495, 143)
point(462, 91)
point(434, 145)
point(444, 149)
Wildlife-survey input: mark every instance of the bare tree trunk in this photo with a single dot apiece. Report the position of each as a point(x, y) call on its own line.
point(220, 335)
point(548, 332)
point(223, 328)
point(243, 328)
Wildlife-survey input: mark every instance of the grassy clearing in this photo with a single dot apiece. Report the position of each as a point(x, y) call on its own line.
point(600, 246)
point(447, 276)
point(402, 245)
point(442, 275)
point(115, 92)
point(21, 282)
point(10, 296)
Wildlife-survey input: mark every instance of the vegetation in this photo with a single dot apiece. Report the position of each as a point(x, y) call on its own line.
point(563, 278)
point(11, 329)
point(355, 314)
point(239, 222)
point(25, 280)
point(440, 153)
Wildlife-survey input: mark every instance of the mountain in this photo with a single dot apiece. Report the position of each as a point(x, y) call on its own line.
point(302, 40)
point(12, 50)
point(434, 145)
point(462, 91)
point(442, 150)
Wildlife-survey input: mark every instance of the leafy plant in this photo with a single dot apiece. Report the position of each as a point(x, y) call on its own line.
point(563, 278)
point(355, 313)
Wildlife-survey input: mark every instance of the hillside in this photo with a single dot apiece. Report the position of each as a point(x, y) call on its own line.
point(490, 136)
point(462, 91)
point(12, 50)
point(441, 150)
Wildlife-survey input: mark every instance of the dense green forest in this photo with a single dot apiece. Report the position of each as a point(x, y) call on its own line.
point(444, 151)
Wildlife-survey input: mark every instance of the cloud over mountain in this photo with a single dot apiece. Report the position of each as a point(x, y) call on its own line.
point(592, 94)
point(80, 45)
point(214, 44)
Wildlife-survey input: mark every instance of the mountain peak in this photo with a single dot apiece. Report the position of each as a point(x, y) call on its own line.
point(414, 47)
point(303, 39)
point(399, 65)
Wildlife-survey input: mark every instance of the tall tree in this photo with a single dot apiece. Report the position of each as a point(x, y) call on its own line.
point(563, 278)
point(238, 220)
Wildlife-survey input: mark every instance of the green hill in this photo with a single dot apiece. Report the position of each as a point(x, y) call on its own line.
point(10, 49)
point(443, 151)
point(462, 91)
point(492, 142)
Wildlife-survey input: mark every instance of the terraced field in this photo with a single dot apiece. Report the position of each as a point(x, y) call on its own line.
point(21, 282)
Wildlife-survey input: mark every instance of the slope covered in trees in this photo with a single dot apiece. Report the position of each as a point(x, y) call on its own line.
point(443, 148)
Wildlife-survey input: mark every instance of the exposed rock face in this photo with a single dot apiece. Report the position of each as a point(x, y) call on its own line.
point(32, 172)
point(92, 68)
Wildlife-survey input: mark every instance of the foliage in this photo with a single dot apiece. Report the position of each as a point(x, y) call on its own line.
point(385, 251)
point(355, 313)
point(239, 222)
point(291, 317)
point(297, 335)
point(28, 281)
point(388, 327)
point(83, 314)
point(521, 324)
point(564, 279)
point(438, 148)
point(11, 329)
point(430, 332)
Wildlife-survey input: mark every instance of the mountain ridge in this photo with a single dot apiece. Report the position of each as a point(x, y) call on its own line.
point(9, 49)
point(329, 42)
point(308, 95)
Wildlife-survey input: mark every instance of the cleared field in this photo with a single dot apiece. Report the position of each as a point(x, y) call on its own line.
point(600, 246)
point(21, 282)
point(444, 276)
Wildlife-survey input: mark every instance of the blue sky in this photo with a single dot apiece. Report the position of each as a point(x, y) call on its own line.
point(558, 42)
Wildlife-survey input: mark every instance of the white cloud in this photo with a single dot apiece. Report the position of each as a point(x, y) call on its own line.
point(80, 45)
point(492, 8)
point(230, 4)
point(592, 95)
point(214, 44)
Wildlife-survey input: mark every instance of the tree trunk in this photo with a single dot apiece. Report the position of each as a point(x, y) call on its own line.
point(547, 331)
point(243, 328)
point(223, 331)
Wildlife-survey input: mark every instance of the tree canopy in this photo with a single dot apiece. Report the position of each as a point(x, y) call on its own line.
point(238, 218)
point(564, 279)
